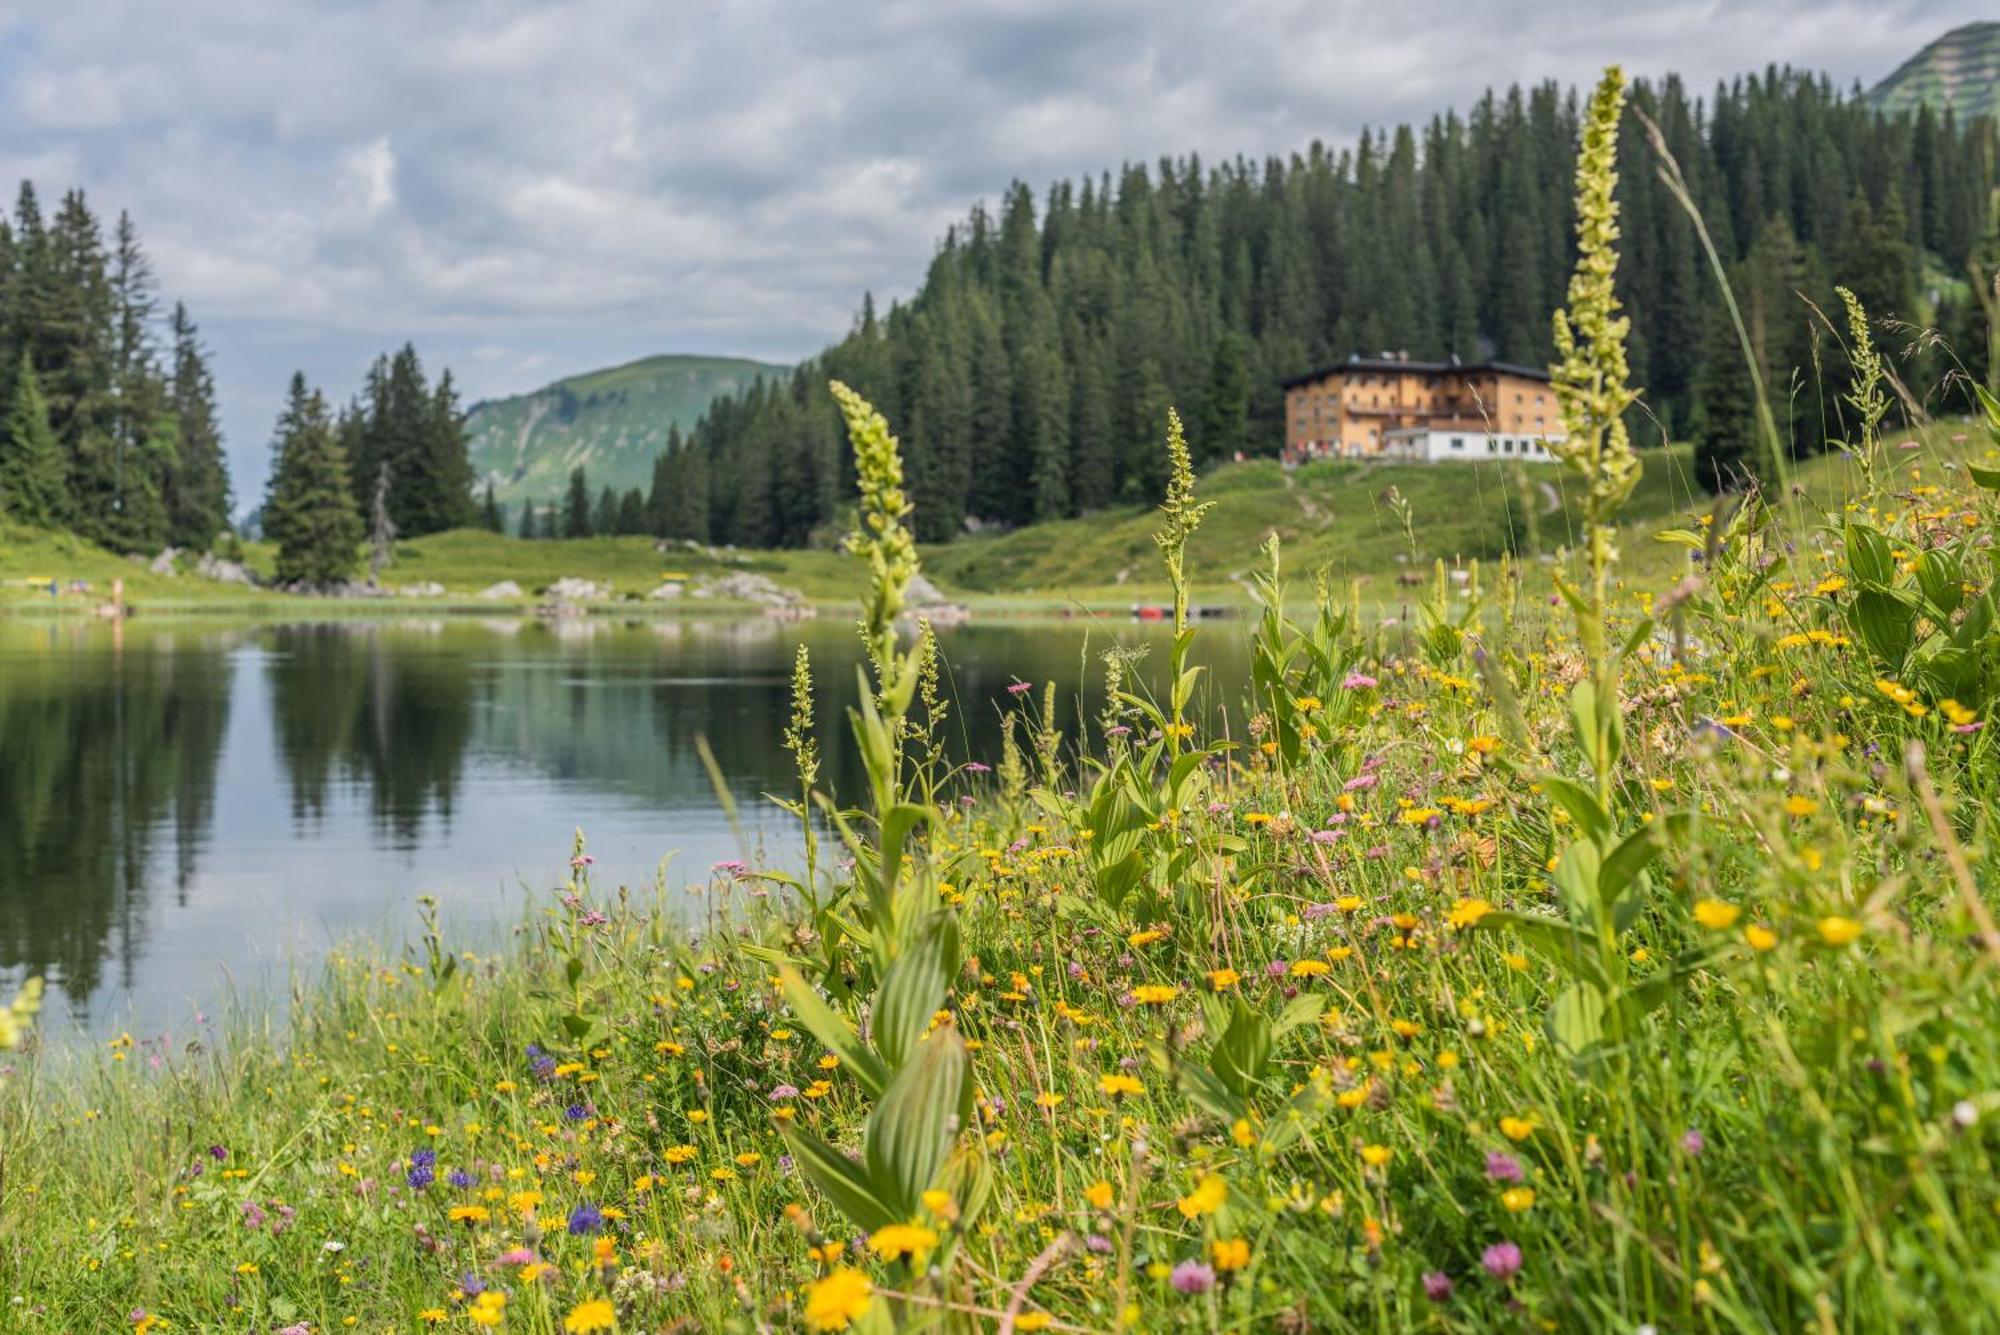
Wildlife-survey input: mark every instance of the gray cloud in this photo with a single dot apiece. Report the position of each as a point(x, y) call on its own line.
point(528, 188)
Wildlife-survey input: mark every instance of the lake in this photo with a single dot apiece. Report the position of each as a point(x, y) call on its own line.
point(190, 808)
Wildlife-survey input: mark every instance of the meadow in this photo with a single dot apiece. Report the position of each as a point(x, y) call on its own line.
point(1605, 946)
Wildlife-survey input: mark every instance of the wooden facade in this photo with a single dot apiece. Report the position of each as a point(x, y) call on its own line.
point(1347, 410)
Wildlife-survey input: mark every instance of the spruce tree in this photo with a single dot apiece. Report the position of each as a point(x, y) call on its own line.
point(604, 519)
point(632, 513)
point(491, 517)
point(31, 464)
point(1729, 451)
point(528, 529)
point(198, 488)
point(309, 508)
point(576, 509)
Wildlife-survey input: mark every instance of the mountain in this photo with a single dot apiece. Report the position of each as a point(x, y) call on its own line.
point(612, 422)
point(1960, 70)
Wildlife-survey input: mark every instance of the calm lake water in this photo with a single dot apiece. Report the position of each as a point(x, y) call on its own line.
point(189, 808)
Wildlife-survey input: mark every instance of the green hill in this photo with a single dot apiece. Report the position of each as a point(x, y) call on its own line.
point(1960, 70)
point(612, 422)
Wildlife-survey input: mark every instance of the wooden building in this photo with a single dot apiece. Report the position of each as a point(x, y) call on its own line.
point(1366, 407)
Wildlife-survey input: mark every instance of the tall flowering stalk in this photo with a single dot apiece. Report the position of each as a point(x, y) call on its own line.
point(1591, 371)
point(1182, 516)
point(1867, 398)
point(17, 1017)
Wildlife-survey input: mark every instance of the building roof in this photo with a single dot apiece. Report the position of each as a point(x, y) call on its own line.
point(1358, 363)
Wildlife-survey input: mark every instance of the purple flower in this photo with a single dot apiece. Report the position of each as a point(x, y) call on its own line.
point(218, 1152)
point(1277, 969)
point(779, 1093)
point(1693, 1142)
point(423, 1169)
point(540, 1063)
point(1324, 836)
point(1193, 1277)
point(1502, 1167)
point(253, 1217)
point(1359, 783)
point(1502, 1260)
point(1437, 1286)
point(576, 1112)
point(459, 1178)
point(585, 1218)
point(1358, 681)
point(1098, 1244)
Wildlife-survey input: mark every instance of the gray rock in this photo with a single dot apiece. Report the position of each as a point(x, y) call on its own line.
point(745, 586)
point(163, 564)
point(667, 592)
point(428, 588)
point(506, 589)
point(571, 589)
point(211, 566)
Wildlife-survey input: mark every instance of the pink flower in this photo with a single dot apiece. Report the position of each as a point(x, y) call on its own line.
point(1358, 681)
point(1502, 1260)
point(1193, 1277)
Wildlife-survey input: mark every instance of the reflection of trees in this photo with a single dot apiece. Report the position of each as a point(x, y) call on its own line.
point(104, 751)
point(378, 707)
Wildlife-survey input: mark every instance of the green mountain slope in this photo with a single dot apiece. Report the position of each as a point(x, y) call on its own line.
point(612, 422)
point(1960, 70)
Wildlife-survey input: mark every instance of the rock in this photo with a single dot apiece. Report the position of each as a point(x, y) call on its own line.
point(570, 589)
point(211, 566)
point(505, 589)
point(667, 592)
point(163, 564)
point(428, 588)
point(927, 601)
point(744, 586)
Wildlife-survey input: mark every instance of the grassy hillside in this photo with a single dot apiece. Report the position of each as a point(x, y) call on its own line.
point(612, 422)
point(1384, 524)
point(1960, 70)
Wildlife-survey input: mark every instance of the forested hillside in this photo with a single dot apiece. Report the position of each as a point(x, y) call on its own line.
point(110, 421)
point(1031, 372)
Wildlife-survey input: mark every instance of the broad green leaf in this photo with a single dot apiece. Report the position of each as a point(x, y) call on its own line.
point(1571, 949)
point(914, 987)
point(1988, 478)
point(1243, 1051)
point(1576, 1018)
point(1300, 1010)
point(1885, 624)
point(1581, 804)
point(1576, 877)
point(844, 1181)
point(1868, 557)
point(910, 1133)
point(833, 1032)
point(1207, 1092)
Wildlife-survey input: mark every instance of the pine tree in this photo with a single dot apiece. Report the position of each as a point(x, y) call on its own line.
point(198, 491)
point(31, 464)
point(491, 517)
point(309, 508)
point(528, 529)
point(631, 513)
point(576, 510)
point(1225, 421)
point(604, 519)
point(1729, 451)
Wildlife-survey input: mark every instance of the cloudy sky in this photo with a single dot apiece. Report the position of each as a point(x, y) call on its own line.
point(530, 189)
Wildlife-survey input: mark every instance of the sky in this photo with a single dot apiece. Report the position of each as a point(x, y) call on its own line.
point(527, 190)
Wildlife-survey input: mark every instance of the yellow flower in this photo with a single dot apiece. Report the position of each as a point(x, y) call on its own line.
point(896, 1242)
point(1033, 1321)
point(1155, 994)
point(1800, 805)
point(433, 1316)
point(1230, 1253)
point(680, 1154)
point(1099, 1195)
point(1838, 931)
point(1517, 1199)
point(1309, 968)
point(594, 1315)
point(470, 1214)
point(840, 1298)
point(1467, 912)
point(1516, 1128)
point(1046, 1099)
point(1219, 979)
point(1145, 938)
point(1760, 937)
point(1831, 584)
point(1375, 1156)
point(1116, 1083)
point(1957, 713)
point(1716, 915)
point(489, 1308)
point(1206, 1198)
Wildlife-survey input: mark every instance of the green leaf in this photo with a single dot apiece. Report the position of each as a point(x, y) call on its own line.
point(1988, 478)
point(914, 987)
point(577, 1027)
point(1207, 1092)
point(835, 1033)
point(1576, 1018)
point(1576, 877)
point(573, 970)
point(910, 1133)
point(1571, 949)
point(844, 1182)
point(1301, 1010)
point(1868, 556)
point(1636, 852)
point(1941, 575)
point(1886, 625)
point(1581, 804)
point(1243, 1051)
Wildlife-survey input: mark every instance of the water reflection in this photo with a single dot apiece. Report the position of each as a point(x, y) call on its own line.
point(186, 807)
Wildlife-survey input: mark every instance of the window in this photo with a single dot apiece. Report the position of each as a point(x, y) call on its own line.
point(1506, 447)
point(1458, 442)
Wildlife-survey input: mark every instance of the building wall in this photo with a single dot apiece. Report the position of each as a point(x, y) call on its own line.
point(1347, 411)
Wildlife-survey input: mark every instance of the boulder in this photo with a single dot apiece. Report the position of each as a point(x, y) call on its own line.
point(163, 564)
point(667, 592)
point(211, 566)
point(428, 588)
point(506, 589)
point(745, 586)
point(571, 589)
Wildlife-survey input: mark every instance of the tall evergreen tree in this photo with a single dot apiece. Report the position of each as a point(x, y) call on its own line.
point(31, 465)
point(197, 493)
point(491, 517)
point(309, 508)
point(576, 509)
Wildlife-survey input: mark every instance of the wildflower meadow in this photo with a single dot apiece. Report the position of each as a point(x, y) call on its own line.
point(1577, 956)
